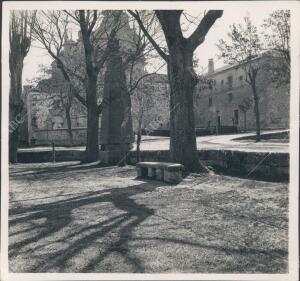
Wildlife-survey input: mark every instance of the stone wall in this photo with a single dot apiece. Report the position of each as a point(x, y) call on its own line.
point(47, 156)
point(60, 136)
point(257, 165)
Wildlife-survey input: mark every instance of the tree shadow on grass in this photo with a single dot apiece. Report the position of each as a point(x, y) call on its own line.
point(58, 215)
point(53, 170)
point(114, 233)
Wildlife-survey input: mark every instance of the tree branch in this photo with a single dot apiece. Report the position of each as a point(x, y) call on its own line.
point(149, 37)
point(95, 17)
point(206, 23)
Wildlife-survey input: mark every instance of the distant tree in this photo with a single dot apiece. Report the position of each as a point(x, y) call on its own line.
point(87, 21)
point(244, 106)
point(150, 108)
point(276, 32)
point(20, 30)
point(182, 78)
point(243, 48)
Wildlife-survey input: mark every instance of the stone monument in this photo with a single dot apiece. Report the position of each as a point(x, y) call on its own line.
point(116, 134)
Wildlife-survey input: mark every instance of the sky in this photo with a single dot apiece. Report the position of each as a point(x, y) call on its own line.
point(37, 56)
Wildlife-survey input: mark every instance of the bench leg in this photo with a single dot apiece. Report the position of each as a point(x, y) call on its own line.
point(172, 177)
point(139, 172)
point(151, 172)
point(160, 174)
point(142, 172)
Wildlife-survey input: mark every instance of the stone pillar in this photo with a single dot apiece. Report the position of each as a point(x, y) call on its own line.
point(116, 133)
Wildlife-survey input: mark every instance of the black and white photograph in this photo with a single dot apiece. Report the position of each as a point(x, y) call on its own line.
point(150, 141)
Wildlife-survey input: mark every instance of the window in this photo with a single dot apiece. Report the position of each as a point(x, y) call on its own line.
point(236, 117)
point(230, 97)
point(229, 81)
point(222, 85)
point(210, 101)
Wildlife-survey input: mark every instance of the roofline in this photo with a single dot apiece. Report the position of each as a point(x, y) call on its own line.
point(229, 67)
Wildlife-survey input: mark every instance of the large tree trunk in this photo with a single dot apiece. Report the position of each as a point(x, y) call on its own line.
point(256, 113)
point(15, 107)
point(13, 134)
point(19, 39)
point(183, 148)
point(92, 145)
point(125, 126)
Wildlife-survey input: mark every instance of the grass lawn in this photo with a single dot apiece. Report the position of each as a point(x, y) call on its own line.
point(70, 218)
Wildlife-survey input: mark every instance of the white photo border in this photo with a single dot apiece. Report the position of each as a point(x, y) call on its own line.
point(294, 6)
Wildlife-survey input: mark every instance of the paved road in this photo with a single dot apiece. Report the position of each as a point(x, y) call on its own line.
point(203, 143)
point(222, 142)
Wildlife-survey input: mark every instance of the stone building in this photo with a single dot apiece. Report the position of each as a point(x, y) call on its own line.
point(228, 101)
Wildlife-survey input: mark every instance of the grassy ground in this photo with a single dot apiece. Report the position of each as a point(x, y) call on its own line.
point(70, 218)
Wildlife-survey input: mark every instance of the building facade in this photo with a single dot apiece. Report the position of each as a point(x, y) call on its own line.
point(229, 100)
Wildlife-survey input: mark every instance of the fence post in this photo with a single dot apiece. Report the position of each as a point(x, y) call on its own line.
point(53, 152)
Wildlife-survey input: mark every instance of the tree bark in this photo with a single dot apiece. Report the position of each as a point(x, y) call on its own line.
point(183, 147)
point(15, 100)
point(13, 134)
point(257, 113)
point(92, 143)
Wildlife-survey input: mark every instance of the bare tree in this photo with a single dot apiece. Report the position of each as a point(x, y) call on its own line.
point(182, 78)
point(87, 20)
point(243, 48)
point(20, 31)
point(51, 30)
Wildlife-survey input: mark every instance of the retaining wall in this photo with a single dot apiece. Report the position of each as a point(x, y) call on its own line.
point(258, 165)
point(47, 156)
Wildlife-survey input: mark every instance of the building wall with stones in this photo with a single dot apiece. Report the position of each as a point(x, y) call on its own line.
point(221, 104)
point(47, 121)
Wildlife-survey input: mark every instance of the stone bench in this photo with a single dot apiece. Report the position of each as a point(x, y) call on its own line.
point(167, 172)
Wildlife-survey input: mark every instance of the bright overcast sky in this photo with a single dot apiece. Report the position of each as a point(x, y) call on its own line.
point(208, 49)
